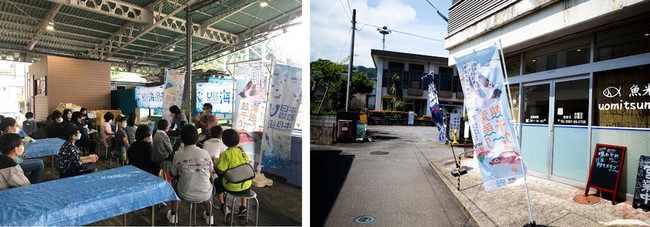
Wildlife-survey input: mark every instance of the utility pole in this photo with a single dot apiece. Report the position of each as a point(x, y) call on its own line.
point(384, 31)
point(347, 93)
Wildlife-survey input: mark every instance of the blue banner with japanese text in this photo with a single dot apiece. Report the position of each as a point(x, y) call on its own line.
point(495, 142)
point(149, 97)
point(283, 105)
point(218, 93)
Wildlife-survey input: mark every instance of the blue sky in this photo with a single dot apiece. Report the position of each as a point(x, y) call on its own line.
point(330, 28)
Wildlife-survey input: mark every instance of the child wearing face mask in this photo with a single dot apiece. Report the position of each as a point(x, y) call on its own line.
point(11, 174)
point(70, 162)
point(33, 168)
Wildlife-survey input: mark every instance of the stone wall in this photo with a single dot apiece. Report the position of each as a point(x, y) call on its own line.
point(322, 129)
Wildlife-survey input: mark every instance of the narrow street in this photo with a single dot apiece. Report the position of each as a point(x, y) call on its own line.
point(389, 179)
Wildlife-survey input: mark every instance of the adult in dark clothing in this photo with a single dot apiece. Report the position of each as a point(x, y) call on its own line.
point(85, 140)
point(55, 129)
point(139, 153)
point(85, 120)
point(70, 162)
point(67, 115)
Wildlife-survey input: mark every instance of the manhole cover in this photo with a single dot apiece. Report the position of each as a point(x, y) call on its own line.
point(379, 152)
point(582, 199)
point(365, 219)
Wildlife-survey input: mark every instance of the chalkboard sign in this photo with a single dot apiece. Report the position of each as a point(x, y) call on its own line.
point(642, 189)
point(606, 168)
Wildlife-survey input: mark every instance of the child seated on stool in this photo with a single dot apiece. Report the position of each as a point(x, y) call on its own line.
point(192, 171)
point(231, 158)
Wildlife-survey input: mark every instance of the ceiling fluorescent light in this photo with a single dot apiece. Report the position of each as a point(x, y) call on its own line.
point(50, 26)
point(264, 3)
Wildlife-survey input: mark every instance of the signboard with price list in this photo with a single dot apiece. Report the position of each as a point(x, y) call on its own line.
point(606, 168)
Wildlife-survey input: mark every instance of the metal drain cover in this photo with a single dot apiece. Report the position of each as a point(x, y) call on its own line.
point(365, 219)
point(379, 152)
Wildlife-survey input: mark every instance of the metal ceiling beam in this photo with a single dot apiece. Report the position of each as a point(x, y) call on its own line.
point(253, 35)
point(176, 24)
point(114, 8)
point(232, 10)
point(42, 27)
point(158, 21)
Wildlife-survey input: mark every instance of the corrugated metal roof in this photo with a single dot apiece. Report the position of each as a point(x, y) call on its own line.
point(87, 32)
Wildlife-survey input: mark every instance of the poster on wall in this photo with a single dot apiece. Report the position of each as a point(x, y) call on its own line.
point(495, 141)
point(149, 97)
point(174, 82)
point(251, 82)
point(218, 93)
point(284, 102)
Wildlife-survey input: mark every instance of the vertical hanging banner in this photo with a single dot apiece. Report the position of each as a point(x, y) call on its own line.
point(149, 97)
point(283, 104)
point(217, 92)
point(251, 97)
point(495, 141)
point(174, 82)
point(434, 107)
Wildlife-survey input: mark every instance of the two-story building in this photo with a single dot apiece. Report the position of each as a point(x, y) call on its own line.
point(411, 68)
point(579, 74)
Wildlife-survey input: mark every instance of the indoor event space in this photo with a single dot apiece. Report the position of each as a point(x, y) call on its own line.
point(151, 112)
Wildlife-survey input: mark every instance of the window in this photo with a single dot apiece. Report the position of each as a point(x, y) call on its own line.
point(514, 99)
point(557, 55)
point(512, 65)
point(622, 97)
point(572, 102)
point(622, 41)
point(415, 73)
point(536, 104)
point(446, 75)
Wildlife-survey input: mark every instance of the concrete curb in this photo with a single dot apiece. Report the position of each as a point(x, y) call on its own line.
point(474, 213)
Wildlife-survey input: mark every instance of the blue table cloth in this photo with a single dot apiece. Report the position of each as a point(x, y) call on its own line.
point(44, 147)
point(84, 199)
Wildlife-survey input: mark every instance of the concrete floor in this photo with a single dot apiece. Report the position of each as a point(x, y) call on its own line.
point(280, 204)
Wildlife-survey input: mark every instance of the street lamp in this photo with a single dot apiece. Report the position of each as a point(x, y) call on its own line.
point(384, 31)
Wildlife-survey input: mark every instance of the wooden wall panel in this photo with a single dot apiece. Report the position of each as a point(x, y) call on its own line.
point(82, 82)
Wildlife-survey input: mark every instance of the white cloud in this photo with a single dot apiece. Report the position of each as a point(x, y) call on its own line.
point(330, 28)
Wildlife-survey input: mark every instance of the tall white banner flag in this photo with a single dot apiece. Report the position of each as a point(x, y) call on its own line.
point(283, 105)
point(495, 141)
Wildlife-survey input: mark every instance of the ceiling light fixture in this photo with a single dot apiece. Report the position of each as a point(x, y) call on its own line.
point(579, 50)
point(172, 48)
point(264, 3)
point(50, 26)
point(646, 34)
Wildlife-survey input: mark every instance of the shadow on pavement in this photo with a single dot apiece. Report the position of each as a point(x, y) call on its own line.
point(328, 172)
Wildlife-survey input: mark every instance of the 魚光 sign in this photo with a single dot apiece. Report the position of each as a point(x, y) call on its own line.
point(606, 168)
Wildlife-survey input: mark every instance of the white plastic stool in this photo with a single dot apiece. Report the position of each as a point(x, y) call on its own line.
point(245, 195)
point(193, 208)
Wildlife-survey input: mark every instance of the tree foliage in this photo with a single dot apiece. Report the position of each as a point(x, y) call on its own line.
point(333, 77)
point(397, 92)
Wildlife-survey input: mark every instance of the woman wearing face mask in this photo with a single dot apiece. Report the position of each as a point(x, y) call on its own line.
point(55, 130)
point(70, 162)
point(67, 115)
point(11, 174)
point(32, 167)
point(140, 151)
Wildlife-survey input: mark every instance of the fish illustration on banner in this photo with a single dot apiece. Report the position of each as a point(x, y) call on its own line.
point(217, 92)
point(495, 142)
point(251, 92)
point(174, 85)
point(434, 107)
point(284, 102)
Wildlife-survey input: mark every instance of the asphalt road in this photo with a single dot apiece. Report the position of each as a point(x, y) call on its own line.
point(398, 188)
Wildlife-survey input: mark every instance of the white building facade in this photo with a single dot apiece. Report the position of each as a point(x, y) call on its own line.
point(579, 73)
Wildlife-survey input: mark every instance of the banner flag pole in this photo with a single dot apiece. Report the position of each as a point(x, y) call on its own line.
point(505, 74)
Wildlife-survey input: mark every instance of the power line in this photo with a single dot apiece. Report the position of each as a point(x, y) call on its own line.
point(344, 45)
point(344, 9)
point(405, 33)
point(438, 11)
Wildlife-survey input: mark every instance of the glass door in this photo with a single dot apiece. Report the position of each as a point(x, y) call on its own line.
point(570, 154)
point(535, 131)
